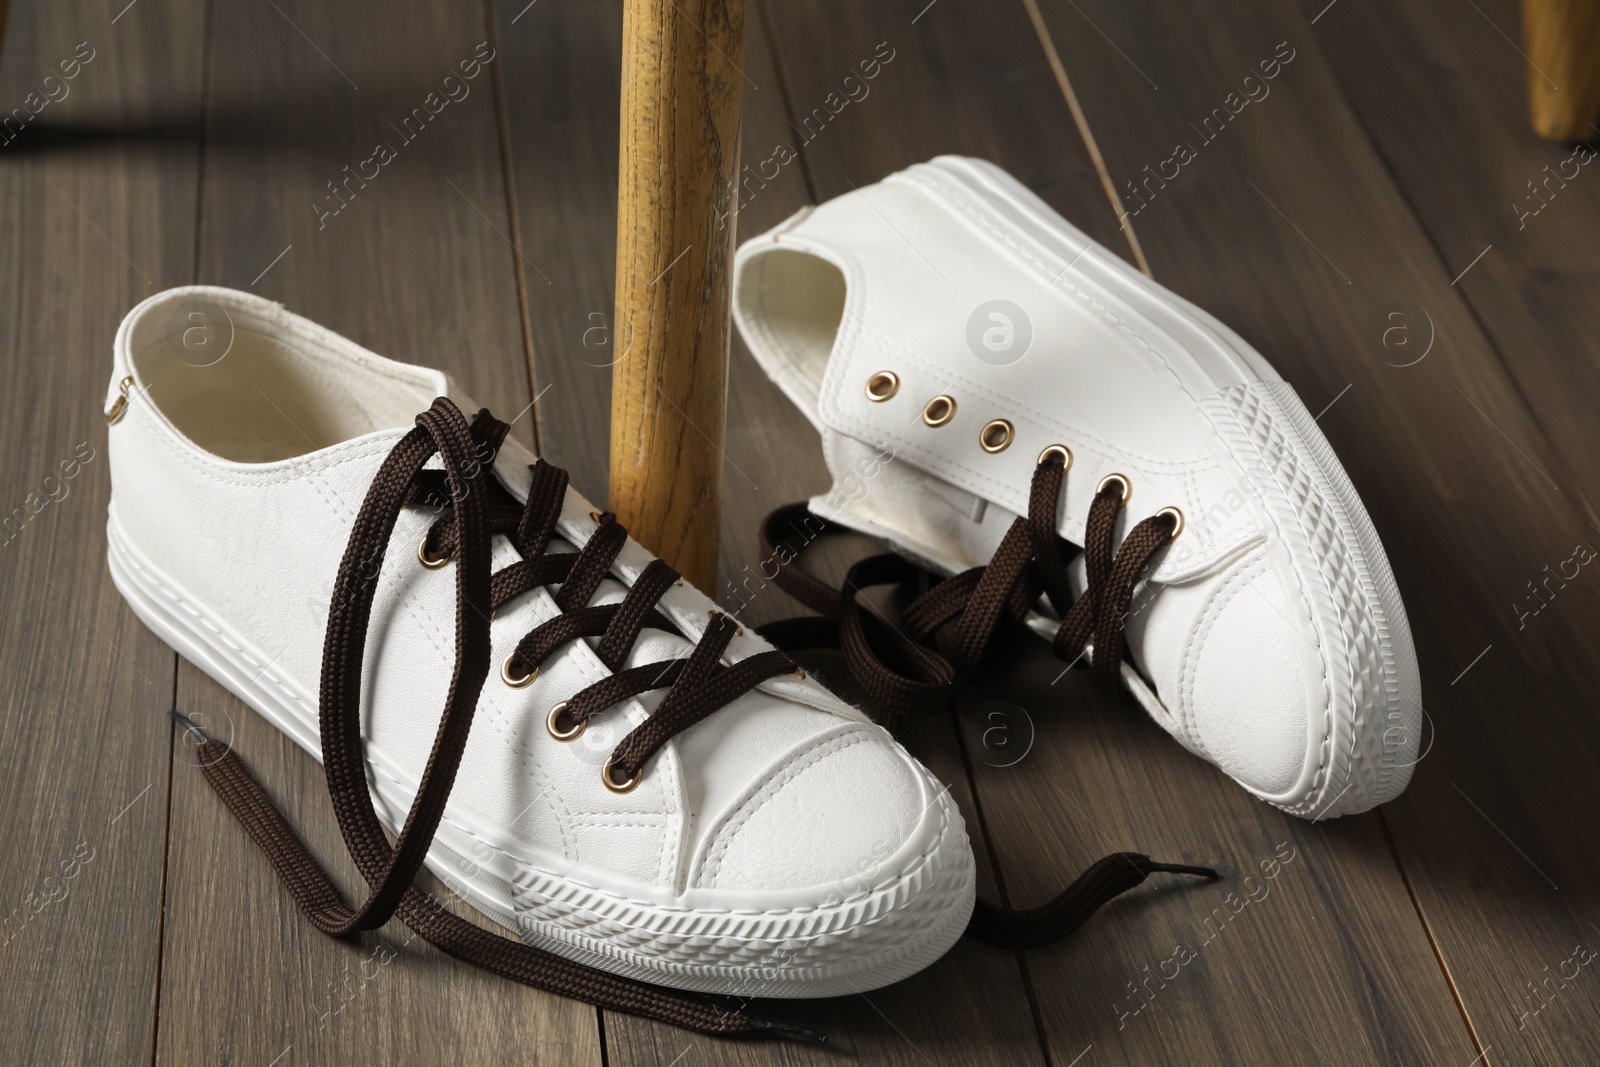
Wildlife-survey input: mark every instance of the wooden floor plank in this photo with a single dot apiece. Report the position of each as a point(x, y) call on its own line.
point(563, 76)
point(90, 227)
point(1386, 158)
point(251, 981)
point(972, 1006)
point(1287, 225)
point(1101, 778)
point(1515, 218)
point(417, 264)
point(1462, 152)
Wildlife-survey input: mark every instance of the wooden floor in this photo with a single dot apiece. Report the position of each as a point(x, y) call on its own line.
point(1376, 218)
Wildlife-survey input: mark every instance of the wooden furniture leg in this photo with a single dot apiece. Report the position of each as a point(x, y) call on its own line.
point(1562, 38)
point(682, 86)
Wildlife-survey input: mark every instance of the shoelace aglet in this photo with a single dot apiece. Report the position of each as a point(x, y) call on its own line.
point(788, 1030)
point(1208, 873)
point(189, 724)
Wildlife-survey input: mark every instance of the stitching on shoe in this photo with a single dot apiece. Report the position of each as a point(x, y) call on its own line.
point(1332, 507)
point(430, 629)
point(222, 637)
point(1322, 779)
point(501, 719)
point(801, 760)
point(952, 201)
point(407, 597)
point(973, 215)
point(1040, 422)
point(670, 912)
point(179, 448)
point(547, 789)
point(963, 210)
point(1188, 665)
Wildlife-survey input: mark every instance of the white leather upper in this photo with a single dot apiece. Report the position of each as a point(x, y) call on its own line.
point(1234, 628)
point(240, 481)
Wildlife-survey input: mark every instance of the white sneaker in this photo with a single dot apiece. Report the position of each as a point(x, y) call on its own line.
point(774, 843)
point(945, 330)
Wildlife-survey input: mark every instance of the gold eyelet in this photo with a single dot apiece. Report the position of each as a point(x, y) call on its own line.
point(427, 560)
point(798, 672)
point(1058, 450)
point(120, 404)
point(882, 386)
point(563, 735)
point(996, 436)
point(514, 681)
point(1127, 486)
point(595, 516)
point(623, 787)
point(940, 410)
point(1176, 514)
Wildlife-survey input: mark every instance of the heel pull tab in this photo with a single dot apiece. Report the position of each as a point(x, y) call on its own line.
point(120, 404)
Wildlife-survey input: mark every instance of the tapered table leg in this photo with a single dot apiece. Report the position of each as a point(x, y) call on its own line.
point(1562, 41)
point(682, 90)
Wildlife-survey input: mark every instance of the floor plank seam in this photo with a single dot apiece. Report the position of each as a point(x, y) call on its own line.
point(514, 226)
point(166, 854)
point(775, 54)
point(200, 153)
point(1035, 1012)
point(1085, 134)
point(1433, 942)
point(202, 123)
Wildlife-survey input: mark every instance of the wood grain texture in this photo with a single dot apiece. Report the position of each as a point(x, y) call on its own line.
point(562, 72)
point(246, 979)
point(417, 264)
point(1531, 292)
point(1287, 225)
point(678, 165)
point(87, 231)
point(1389, 154)
point(1515, 219)
point(1562, 71)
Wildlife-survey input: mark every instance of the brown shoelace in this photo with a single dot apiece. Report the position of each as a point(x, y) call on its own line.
point(901, 672)
point(477, 508)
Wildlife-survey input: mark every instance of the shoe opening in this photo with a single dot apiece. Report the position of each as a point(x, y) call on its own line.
point(789, 304)
point(250, 382)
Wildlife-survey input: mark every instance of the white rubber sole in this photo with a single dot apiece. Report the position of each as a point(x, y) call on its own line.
point(1372, 721)
point(859, 935)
